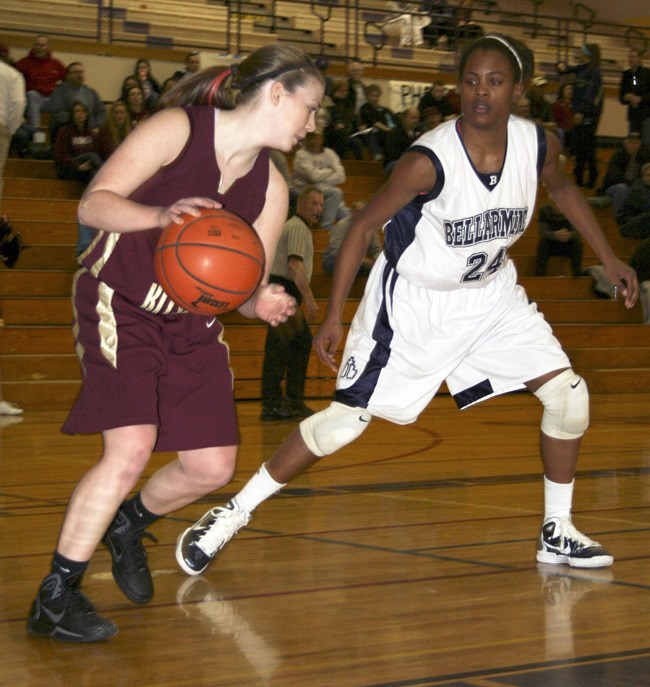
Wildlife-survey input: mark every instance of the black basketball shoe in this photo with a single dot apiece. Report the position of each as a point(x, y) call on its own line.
point(65, 613)
point(130, 567)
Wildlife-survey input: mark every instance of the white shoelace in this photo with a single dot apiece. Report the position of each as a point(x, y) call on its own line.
point(568, 531)
point(226, 525)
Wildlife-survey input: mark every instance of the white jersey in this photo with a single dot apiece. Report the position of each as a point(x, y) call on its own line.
point(457, 234)
point(416, 325)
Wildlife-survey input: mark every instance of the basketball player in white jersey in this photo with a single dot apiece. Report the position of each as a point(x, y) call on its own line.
point(457, 199)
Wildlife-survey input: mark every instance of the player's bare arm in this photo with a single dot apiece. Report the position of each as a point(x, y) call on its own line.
point(156, 142)
point(572, 204)
point(413, 174)
point(271, 303)
point(271, 220)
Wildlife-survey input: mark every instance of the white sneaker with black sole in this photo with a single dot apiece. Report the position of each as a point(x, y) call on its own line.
point(560, 543)
point(198, 545)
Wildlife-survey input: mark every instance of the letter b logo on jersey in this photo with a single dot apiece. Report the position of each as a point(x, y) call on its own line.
point(349, 370)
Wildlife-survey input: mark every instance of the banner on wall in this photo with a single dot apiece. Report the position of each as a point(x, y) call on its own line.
point(404, 94)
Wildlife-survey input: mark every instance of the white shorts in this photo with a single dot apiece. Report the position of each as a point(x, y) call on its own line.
point(405, 340)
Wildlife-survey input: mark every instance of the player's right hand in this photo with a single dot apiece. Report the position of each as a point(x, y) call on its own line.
point(327, 340)
point(190, 206)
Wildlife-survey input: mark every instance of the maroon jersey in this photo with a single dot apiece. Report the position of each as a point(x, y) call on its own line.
point(125, 262)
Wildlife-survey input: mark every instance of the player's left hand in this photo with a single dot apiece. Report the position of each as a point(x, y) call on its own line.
point(273, 304)
point(625, 280)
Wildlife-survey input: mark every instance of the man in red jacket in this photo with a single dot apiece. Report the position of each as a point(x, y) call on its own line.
point(42, 73)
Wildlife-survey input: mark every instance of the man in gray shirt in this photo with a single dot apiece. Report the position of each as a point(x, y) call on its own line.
point(288, 346)
point(72, 90)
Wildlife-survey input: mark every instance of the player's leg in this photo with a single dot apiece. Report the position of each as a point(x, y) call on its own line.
point(60, 609)
point(193, 475)
point(565, 399)
point(316, 436)
point(517, 349)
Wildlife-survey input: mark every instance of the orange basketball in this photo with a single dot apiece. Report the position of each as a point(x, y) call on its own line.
point(210, 264)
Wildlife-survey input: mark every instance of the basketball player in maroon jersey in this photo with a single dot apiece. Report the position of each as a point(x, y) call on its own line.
point(156, 378)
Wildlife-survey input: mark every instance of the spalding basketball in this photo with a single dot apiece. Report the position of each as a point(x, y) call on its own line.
point(209, 264)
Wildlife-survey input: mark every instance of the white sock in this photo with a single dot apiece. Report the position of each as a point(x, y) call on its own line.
point(259, 487)
point(557, 499)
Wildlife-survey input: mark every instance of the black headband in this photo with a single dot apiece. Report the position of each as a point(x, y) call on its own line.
point(241, 83)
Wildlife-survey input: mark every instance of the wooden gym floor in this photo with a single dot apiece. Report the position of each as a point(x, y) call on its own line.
point(406, 559)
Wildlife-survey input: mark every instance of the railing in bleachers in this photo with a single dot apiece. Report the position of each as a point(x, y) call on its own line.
point(341, 29)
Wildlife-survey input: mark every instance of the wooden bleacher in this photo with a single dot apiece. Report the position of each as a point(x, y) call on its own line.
point(203, 24)
point(607, 343)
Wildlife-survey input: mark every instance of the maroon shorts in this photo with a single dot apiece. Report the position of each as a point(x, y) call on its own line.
point(143, 369)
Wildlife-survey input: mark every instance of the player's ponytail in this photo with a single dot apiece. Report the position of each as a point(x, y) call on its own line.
point(207, 87)
point(240, 83)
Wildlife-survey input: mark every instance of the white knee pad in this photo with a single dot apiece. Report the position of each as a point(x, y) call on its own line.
point(566, 406)
point(333, 428)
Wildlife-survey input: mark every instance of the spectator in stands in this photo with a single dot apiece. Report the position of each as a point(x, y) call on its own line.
point(436, 97)
point(467, 29)
point(12, 105)
point(341, 122)
point(356, 88)
point(557, 236)
point(522, 107)
point(320, 167)
point(452, 96)
point(336, 236)
point(400, 137)
point(380, 118)
point(115, 129)
point(12, 108)
point(562, 113)
point(587, 108)
point(322, 64)
point(634, 92)
point(129, 81)
point(135, 104)
point(430, 119)
point(168, 83)
point(150, 87)
point(42, 73)
point(76, 154)
point(5, 54)
point(192, 65)
point(623, 169)
point(406, 22)
point(288, 346)
point(540, 108)
point(634, 217)
point(74, 90)
point(443, 23)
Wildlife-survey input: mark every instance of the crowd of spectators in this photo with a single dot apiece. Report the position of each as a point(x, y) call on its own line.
point(54, 89)
point(354, 123)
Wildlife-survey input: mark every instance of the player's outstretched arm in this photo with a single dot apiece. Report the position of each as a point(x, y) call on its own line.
point(572, 204)
point(413, 174)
